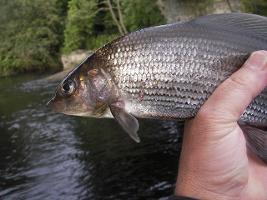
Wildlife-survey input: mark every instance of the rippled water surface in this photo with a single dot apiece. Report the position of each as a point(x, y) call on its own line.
point(45, 155)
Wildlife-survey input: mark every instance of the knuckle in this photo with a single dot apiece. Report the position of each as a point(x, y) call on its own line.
point(242, 85)
point(237, 82)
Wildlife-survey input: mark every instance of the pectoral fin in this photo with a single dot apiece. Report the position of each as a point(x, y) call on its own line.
point(256, 141)
point(128, 122)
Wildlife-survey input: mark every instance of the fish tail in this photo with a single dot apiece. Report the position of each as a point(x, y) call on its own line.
point(256, 140)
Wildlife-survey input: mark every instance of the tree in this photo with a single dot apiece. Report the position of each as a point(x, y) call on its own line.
point(31, 32)
point(117, 16)
point(79, 24)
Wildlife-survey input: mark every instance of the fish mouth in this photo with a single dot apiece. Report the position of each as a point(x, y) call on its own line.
point(59, 106)
point(50, 102)
point(80, 114)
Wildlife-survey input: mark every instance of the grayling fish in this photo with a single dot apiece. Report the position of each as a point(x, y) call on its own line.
point(168, 72)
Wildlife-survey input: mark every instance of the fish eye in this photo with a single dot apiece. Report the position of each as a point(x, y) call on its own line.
point(68, 87)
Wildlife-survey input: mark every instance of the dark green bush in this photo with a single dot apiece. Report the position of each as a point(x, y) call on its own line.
point(30, 36)
point(141, 13)
point(79, 25)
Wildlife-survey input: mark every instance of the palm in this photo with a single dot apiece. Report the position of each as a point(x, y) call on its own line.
point(223, 160)
point(243, 172)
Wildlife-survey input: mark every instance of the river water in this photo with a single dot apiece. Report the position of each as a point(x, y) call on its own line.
point(50, 156)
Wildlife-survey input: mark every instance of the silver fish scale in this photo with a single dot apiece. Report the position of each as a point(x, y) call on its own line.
point(169, 71)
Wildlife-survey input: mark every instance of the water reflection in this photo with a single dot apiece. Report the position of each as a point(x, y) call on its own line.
point(45, 155)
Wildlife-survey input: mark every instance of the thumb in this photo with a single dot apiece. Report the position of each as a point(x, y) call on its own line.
point(230, 99)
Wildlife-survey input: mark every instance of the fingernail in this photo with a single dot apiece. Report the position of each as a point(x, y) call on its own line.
point(257, 60)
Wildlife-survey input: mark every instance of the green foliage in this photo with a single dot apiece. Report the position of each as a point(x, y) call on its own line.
point(79, 24)
point(30, 35)
point(257, 6)
point(141, 13)
point(88, 26)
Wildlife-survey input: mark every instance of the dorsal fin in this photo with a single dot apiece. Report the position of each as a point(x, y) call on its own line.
point(251, 24)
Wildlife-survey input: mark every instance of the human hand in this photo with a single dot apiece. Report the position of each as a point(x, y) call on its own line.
point(215, 162)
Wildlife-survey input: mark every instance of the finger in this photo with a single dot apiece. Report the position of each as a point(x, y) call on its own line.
point(231, 98)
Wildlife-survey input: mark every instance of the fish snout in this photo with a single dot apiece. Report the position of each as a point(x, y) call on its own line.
point(55, 105)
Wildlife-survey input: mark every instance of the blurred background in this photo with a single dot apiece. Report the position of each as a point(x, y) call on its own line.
point(45, 155)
